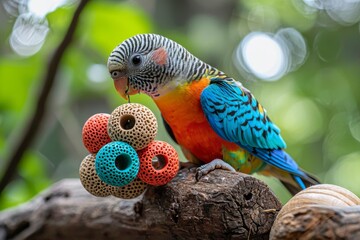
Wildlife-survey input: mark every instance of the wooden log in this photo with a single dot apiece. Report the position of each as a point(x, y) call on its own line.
point(322, 211)
point(222, 205)
point(319, 222)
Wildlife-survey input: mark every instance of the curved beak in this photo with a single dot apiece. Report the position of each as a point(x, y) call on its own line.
point(123, 87)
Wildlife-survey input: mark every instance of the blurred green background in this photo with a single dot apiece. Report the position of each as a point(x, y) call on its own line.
point(315, 105)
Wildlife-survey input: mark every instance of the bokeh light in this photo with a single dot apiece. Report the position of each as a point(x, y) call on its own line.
point(15, 7)
point(31, 26)
point(262, 55)
point(42, 8)
point(270, 57)
point(325, 40)
point(344, 12)
point(98, 73)
point(29, 34)
point(295, 46)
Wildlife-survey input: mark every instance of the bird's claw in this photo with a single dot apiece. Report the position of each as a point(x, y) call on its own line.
point(211, 166)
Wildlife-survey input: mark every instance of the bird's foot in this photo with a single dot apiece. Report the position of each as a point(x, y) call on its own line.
point(211, 166)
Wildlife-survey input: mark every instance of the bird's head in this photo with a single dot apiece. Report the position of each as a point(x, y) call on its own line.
point(146, 63)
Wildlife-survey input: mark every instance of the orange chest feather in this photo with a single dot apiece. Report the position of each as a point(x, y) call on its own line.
point(182, 110)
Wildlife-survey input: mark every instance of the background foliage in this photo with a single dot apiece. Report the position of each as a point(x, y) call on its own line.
point(316, 106)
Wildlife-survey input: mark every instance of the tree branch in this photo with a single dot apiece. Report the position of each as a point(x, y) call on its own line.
point(36, 119)
point(222, 205)
point(318, 222)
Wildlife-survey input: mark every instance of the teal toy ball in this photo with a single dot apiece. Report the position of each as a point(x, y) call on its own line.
point(117, 164)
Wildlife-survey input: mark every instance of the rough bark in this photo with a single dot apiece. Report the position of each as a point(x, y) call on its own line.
point(318, 222)
point(222, 205)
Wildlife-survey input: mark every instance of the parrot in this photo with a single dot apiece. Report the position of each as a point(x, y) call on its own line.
point(217, 122)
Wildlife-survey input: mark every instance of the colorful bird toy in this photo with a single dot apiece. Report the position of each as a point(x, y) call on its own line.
point(124, 157)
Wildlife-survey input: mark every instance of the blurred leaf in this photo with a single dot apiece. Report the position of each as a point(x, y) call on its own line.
point(106, 24)
point(14, 194)
point(59, 20)
point(16, 79)
point(33, 179)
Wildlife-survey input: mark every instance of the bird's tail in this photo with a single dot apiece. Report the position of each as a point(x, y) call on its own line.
point(294, 183)
point(307, 180)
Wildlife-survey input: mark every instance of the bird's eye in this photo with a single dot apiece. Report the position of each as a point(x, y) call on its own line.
point(115, 74)
point(136, 60)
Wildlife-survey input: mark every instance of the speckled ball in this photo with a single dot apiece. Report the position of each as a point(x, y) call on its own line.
point(133, 123)
point(117, 164)
point(159, 163)
point(132, 190)
point(94, 132)
point(90, 180)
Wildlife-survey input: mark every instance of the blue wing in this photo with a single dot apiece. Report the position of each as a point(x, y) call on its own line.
point(236, 116)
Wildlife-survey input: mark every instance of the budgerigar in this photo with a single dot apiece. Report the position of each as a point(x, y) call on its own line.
point(214, 119)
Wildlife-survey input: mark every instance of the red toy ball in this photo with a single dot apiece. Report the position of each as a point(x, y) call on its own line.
point(159, 163)
point(94, 132)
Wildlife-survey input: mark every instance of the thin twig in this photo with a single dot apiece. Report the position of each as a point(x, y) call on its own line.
point(32, 127)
